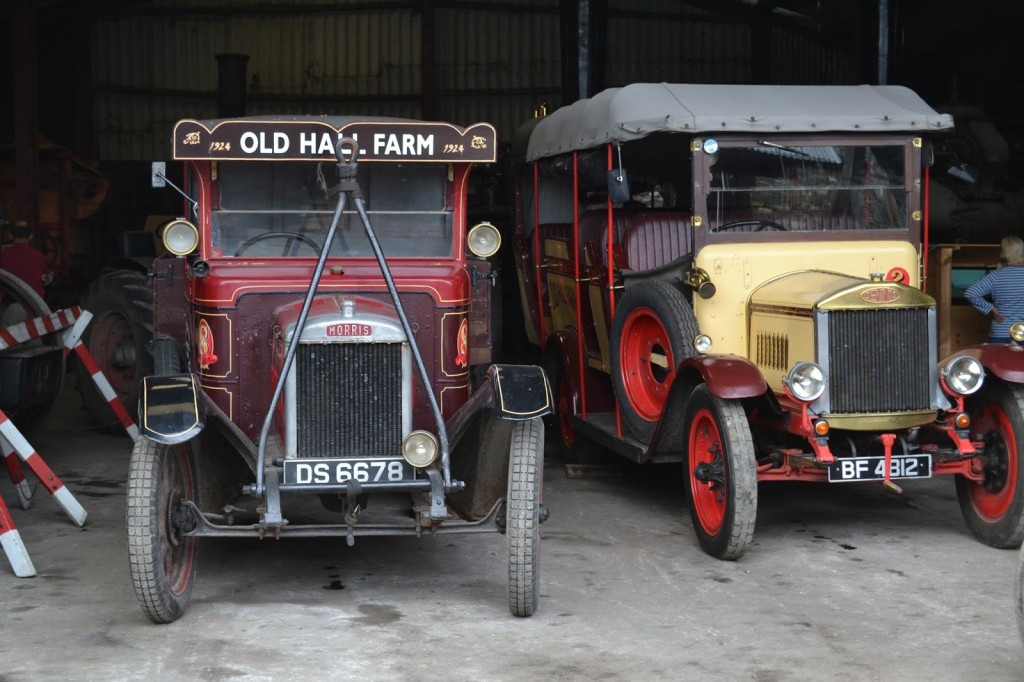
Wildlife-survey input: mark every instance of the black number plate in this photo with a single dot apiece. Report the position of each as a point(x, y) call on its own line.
point(320, 472)
point(873, 468)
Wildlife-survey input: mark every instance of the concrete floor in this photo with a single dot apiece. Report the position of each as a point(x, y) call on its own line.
point(842, 583)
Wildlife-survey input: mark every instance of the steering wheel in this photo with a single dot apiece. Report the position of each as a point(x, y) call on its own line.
point(760, 222)
point(308, 241)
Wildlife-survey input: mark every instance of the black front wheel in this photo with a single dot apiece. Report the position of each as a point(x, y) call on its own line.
point(523, 504)
point(161, 558)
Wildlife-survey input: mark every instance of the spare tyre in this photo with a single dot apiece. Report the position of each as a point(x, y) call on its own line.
point(652, 333)
point(118, 338)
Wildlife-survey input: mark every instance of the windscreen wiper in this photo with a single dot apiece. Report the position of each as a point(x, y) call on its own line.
point(792, 150)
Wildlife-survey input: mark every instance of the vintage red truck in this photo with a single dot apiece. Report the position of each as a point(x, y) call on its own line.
point(321, 335)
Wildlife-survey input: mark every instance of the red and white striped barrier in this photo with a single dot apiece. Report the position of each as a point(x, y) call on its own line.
point(17, 475)
point(39, 326)
point(73, 343)
point(107, 390)
point(12, 545)
point(38, 467)
point(72, 321)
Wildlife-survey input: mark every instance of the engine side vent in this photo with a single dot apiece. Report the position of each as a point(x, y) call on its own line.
point(773, 351)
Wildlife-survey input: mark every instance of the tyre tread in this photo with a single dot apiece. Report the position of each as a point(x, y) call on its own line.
point(142, 524)
point(526, 470)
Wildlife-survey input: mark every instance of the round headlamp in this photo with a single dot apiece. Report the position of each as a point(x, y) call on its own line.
point(806, 381)
point(1017, 332)
point(420, 449)
point(180, 237)
point(483, 240)
point(702, 343)
point(963, 374)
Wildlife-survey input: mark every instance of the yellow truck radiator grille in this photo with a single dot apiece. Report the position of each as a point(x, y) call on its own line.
point(879, 360)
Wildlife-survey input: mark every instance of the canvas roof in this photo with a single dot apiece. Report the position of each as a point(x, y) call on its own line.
point(637, 110)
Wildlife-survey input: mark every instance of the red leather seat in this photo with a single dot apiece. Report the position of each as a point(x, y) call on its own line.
point(656, 239)
point(594, 232)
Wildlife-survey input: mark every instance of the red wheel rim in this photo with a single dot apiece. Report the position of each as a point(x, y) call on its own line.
point(993, 506)
point(112, 345)
point(178, 552)
point(647, 363)
point(705, 447)
point(566, 409)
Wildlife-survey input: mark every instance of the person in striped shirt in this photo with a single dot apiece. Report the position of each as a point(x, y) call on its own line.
point(1001, 292)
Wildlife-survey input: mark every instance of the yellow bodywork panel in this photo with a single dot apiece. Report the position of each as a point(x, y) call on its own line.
point(825, 268)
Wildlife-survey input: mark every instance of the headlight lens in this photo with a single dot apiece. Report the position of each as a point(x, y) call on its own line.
point(420, 449)
point(484, 240)
point(963, 374)
point(806, 381)
point(702, 344)
point(180, 237)
point(1017, 332)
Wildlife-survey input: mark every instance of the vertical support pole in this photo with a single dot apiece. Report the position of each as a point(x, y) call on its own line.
point(26, 69)
point(428, 96)
point(537, 253)
point(883, 42)
point(925, 227)
point(611, 282)
point(581, 354)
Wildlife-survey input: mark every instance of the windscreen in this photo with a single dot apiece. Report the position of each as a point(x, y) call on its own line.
point(765, 186)
point(285, 210)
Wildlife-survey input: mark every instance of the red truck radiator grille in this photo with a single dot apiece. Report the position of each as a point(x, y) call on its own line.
point(349, 399)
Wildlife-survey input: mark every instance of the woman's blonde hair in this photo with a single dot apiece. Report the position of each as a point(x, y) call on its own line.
point(1013, 250)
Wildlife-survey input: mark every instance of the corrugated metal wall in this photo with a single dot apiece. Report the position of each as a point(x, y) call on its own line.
point(661, 40)
point(154, 63)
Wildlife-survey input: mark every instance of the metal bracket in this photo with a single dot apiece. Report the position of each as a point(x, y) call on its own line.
point(272, 512)
point(438, 509)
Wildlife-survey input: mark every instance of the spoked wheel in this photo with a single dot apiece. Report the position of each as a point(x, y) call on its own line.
point(994, 507)
point(721, 476)
point(523, 504)
point(162, 560)
point(652, 333)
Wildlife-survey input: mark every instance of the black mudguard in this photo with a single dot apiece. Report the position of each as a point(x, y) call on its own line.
point(169, 408)
point(481, 431)
point(174, 409)
point(520, 391)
